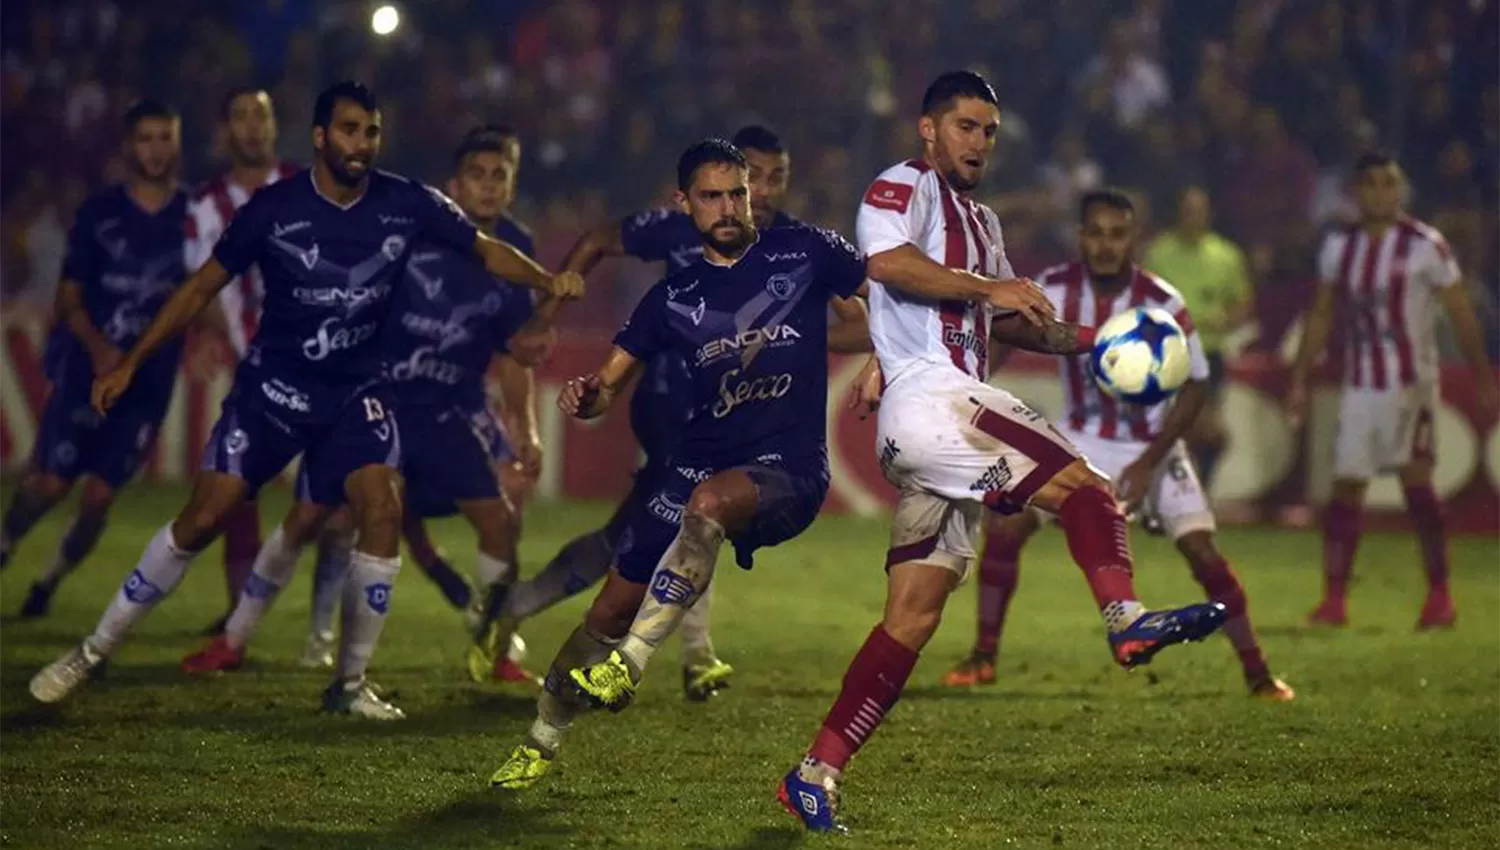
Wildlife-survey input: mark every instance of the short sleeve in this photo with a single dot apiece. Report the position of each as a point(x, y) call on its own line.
point(244, 240)
point(893, 213)
point(651, 235)
point(443, 222)
point(841, 267)
point(1331, 256)
point(514, 315)
point(81, 264)
point(645, 333)
point(1197, 357)
point(1435, 265)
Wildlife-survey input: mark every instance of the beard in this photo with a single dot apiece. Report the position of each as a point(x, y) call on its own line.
point(733, 246)
point(338, 166)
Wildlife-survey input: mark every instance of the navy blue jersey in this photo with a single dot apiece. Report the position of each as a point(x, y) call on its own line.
point(127, 262)
point(754, 337)
point(452, 316)
point(330, 271)
point(657, 413)
point(509, 230)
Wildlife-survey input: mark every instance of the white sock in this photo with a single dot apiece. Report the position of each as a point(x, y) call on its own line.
point(491, 570)
point(334, 552)
point(159, 570)
point(583, 561)
point(367, 599)
point(697, 644)
point(684, 573)
point(275, 564)
point(1119, 615)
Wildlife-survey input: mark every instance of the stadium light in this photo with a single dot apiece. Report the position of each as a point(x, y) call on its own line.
point(384, 20)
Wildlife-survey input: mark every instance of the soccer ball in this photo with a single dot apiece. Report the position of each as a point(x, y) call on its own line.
point(1140, 356)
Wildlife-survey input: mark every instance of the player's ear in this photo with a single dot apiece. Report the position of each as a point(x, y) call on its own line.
point(927, 129)
point(452, 187)
point(319, 137)
point(680, 198)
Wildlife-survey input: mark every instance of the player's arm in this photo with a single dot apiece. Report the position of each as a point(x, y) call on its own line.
point(1048, 337)
point(851, 334)
point(517, 383)
point(1315, 330)
point(1186, 405)
point(73, 315)
point(1470, 339)
point(509, 263)
point(605, 240)
point(589, 396)
point(186, 304)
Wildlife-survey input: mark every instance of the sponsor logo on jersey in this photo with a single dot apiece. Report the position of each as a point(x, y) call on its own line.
point(665, 508)
point(344, 296)
point(789, 255)
point(888, 195)
point(965, 339)
point(773, 336)
point(734, 393)
point(394, 219)
point(697, 476)
point(674, 291)
point(330, 338)
point(283, 229)
point(888, 454)
point(424, 365)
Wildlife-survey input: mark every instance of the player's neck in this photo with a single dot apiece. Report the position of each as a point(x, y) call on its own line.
point(335, 191)
point(251, 175)
point(150, 195)
point(1112, 285)
point(1376, 226)
point(713, 255)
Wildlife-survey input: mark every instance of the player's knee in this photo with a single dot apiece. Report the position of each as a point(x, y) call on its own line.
point(913, 626)
point(303, 524)
point(1417, 473)
point(195, 527)
point(707, 503)
point(46, 487)
point(96, 498)
point(1348, 491)
point(1199, 550)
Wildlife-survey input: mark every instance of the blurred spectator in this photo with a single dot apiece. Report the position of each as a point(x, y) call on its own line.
point(1210, 272)
point(1134, 83)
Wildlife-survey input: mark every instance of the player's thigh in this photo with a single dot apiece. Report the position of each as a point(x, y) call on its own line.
point(304, 522)
point(650, 526)
point(1412, 444)
point(786, 503)
point(65, 435)
point(95, 496)
point(446, 458)
point(933, 530)
point(363, 439)
point(124, 439)
point(1358, 435)
point(250, 444)
point(492, 521)
point(965, 440)
point(1177, 497)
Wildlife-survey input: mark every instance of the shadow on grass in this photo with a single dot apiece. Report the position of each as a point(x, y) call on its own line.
point(771, 838)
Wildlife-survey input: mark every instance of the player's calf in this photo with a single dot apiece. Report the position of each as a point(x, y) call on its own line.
point(375, 498)
point(77, 543)
point(39, 493)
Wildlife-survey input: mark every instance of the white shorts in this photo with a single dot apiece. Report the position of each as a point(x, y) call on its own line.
point(1176, 496)
point(954, 446)
point(1380, 431)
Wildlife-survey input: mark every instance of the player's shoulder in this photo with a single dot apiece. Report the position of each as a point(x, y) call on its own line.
point(801, 237)
point(1424, 232)
point(105, 201)
point(1059, 275)
point(1156, 288)
point(285, 170)
point(281, 191)
point(894, 187)
point(204, 191)
point(1338, 234)
point(655, 217)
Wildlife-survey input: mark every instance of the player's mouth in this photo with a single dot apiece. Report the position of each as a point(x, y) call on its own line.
point(972, 160)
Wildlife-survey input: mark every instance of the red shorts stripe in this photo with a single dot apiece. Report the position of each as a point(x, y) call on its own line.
point(1050, 457)
point(911, 551)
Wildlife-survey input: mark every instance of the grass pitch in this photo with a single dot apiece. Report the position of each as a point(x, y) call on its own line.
point(1394, 740)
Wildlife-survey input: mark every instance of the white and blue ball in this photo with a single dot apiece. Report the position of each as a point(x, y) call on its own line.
point(1140, 356)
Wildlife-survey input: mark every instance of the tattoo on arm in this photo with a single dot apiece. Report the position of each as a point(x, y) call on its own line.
point(1052, 337)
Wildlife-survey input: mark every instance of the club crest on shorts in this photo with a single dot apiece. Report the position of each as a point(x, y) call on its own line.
point(237, 441)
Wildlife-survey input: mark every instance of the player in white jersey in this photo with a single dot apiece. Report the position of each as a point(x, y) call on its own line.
point(1139, 448)
point(953, 444)
point(1385, 276)
point(247, 128)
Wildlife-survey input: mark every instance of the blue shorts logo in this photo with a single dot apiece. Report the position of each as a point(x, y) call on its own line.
point(669, 588)
point(140, 591)
point(237, 441)
point(379, 597)
point(259, 587)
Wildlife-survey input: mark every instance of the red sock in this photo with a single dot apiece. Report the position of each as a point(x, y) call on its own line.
point(999, 570)
point(1342, 524)
point(1427, 513)
point(1222, 585)
point(871, 687)
point(1095, 529)
point(241, 545)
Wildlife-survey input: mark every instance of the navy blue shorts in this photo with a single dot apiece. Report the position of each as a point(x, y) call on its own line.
point(450, 456)
point(265, 422)
point(72, 440)
point(788, 502)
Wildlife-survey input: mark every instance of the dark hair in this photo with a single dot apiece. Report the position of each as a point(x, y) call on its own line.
point(956, 84)
point(1115, 199)
point(488, 138)
point(1371, 160)
point(706, 152)
point(147, 108)
point(234, 94)
point(346, 90)
point(757, 138)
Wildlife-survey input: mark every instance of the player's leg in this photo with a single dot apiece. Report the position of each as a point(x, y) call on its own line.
point(156, 574)
point(94, 502)
point(335, 548)
point(242, 543)
point(999, 572)
point(1355, 461)
point(1209, 437)
point(432, 563)
point(64, 440)
point(275, 565)
point(38, 493)
point(1219, 581)
point(496, 527)
point(1416, 458)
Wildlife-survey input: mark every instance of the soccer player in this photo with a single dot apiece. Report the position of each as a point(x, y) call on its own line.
point(1139, 448)
point(330, 244)
point(952, 444)
point(657, 414)
point(247, 125)
point(1386, 273)
point(750, 322)
point(449, 318)
point(124, 259)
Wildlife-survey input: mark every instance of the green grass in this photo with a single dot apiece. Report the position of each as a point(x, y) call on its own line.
point(1394, 740)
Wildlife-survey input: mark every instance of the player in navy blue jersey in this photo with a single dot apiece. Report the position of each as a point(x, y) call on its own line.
point(331, 243)
point(750, 321)
point(449, 320)
point(124, 259)
point(657, 412)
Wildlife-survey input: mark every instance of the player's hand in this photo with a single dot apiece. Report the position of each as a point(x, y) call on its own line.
point(869, 385)
point(1486, 398)
point(1022, 296)
point(1296, 402)
point(579, 396)
point(529, 457)
point(105, 358)
point(1134, 481)
point(567, 285)
point(110, 386)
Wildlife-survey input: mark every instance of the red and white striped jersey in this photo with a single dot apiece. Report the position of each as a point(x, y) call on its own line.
point(1387, 285)
point(910, 204)
point(1090, 410)
point(211, 209)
